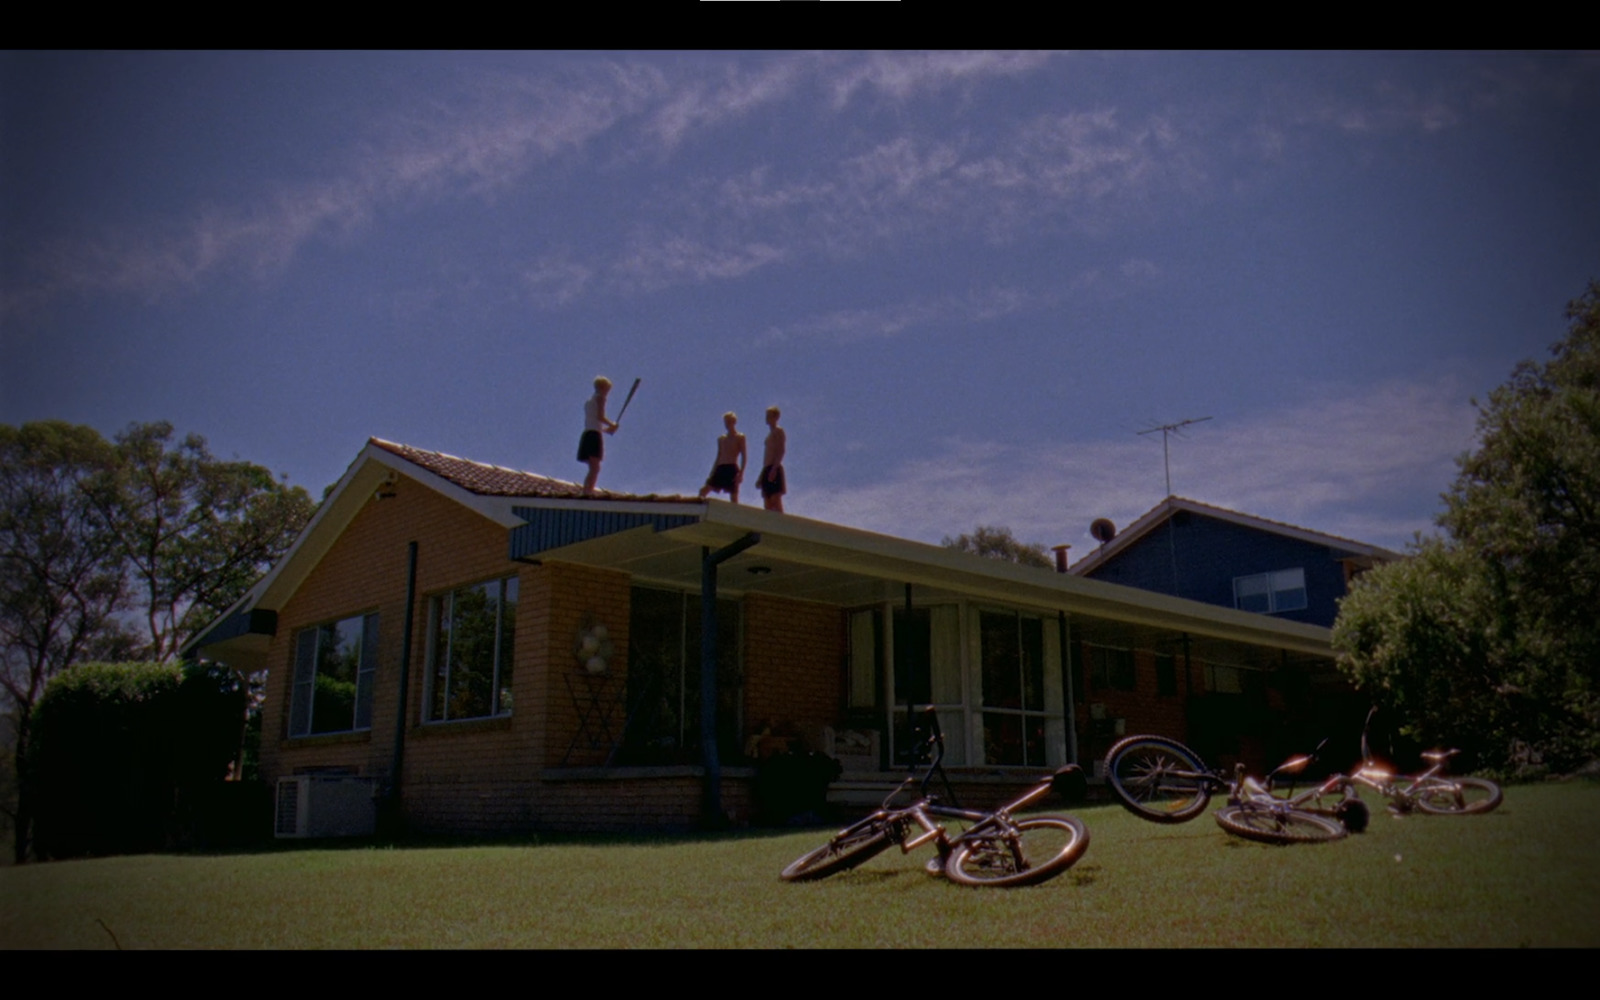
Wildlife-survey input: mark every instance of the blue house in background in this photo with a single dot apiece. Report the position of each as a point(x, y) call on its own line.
point(1219, 556)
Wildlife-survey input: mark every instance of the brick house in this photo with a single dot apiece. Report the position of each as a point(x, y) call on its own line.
point(493, 652)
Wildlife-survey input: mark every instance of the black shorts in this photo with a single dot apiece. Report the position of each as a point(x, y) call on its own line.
point(591, 446)
point(724, 478)
point(771, 481)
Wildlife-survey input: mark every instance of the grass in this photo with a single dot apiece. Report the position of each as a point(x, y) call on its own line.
point(1525, 875)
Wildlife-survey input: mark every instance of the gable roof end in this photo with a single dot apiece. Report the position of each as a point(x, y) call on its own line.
point(1163, 511)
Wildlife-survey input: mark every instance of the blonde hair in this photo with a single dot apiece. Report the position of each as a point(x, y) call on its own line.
point(730, 415)
point(772, 411)
point(601, 382)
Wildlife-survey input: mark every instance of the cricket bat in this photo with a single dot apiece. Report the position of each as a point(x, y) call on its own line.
point(625, 402)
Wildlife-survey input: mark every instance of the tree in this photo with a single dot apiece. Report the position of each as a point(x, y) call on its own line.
point(129, 756)
point(60, 581)
point(92, 532)
point(194, 532)
point(1491, 633)
point(994, 542)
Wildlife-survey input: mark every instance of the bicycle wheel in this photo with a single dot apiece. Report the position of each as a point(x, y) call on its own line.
point(1028, 851)
point(1354, 815)
point(1278, 826)
point(1158, 779)
point(851, 847)
point(1457, 796)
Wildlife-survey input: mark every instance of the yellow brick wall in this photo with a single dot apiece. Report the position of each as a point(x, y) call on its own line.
point(572, 599)
point(455, 767)
point(794, 654)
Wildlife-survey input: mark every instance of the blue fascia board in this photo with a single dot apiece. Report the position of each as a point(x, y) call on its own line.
point(550, 528)
point(246, 621)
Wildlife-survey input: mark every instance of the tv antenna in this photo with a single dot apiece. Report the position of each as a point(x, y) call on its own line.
point(1166, 430)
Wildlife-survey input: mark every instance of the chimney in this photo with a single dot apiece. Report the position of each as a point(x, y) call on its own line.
point(1061, 557)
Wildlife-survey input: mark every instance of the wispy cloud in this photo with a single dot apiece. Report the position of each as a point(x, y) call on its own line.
point(474, 143)
point(847, 325)
point(1369, 464)
point(555, 280)
point(699, 104)
point(905, 74)
point(652, 265)
point(898, 175)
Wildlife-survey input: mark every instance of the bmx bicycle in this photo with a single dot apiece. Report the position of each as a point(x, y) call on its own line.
point(1161, 780)
point(1431, 791)
point(996, 848)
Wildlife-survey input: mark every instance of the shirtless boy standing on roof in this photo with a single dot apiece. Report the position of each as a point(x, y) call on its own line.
point(591, 447)
point(728, 472)
point(771, 482)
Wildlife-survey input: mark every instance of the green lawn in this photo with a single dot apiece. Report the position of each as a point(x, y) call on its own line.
point(1524, 875)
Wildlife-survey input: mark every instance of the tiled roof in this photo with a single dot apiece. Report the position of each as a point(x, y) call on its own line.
point(498, 481)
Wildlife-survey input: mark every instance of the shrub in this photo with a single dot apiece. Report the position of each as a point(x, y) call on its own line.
point(125, 756)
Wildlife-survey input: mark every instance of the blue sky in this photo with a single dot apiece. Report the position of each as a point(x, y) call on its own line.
point(968, 279)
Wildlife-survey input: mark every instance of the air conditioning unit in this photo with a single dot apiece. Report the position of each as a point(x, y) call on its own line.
point(325, 805)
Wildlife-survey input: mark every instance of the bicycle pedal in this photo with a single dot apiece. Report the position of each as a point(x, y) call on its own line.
point(934, 866)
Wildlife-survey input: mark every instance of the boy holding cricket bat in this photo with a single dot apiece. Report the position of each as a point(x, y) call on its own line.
point(591, 447)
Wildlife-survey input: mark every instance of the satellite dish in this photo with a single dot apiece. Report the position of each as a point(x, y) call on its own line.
point(1103, 530)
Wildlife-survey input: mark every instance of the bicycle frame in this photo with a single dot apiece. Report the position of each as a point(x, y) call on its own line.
point(1164, 781)
point(996, 849)
point(927, 807)
point(1253, 793)
point(922, 812)
point(1421, 791)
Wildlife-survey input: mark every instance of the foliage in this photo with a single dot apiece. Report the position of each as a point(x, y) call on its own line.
point(60, 584)
point(97, 533)
point(122, 752)
point(1490, 636)
point(194, 531)
point(1418, 635)
point(995, 542)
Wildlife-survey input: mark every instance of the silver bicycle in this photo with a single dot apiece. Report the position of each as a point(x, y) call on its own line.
point(996, 848)
point(1163, 781)
point(1431, 791)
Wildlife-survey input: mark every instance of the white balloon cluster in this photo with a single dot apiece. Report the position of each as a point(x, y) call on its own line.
point(594, 649)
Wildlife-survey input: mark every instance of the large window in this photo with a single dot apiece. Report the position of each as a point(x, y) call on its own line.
point(334, 667)
point(927, 672)
point(1013, 677)
point(663, 725)
point(1269, 593)
point(470, 651)
point(993, 676)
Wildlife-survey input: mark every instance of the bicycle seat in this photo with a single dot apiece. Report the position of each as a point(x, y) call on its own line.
point(1439, 756)
point(1070, 783)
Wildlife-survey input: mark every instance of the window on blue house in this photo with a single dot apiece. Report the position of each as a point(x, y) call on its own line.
point(1270, 593)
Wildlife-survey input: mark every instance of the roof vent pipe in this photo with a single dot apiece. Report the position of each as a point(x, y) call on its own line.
point(1061, 557)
